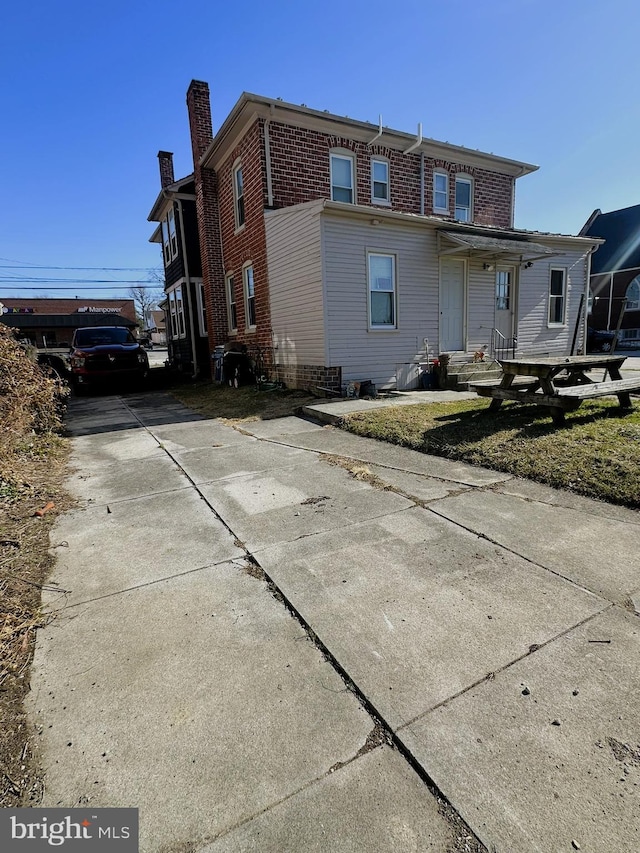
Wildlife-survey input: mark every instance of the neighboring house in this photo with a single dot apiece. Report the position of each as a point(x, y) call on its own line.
point(177, 233)
point(156, 327)
point(343, 249)
point(47, 323)
point(615, 272)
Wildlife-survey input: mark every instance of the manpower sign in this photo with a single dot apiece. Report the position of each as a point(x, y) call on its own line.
point(73, 830)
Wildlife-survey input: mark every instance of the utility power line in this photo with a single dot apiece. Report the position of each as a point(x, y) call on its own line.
point(145, 286)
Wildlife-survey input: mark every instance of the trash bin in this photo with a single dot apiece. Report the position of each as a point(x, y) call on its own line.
point(217, 356)
point(236, 368)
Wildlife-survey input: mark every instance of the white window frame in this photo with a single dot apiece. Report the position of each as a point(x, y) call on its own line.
point(387, 327)
point(232, 305)
point(175, 296)
point(166, 245)
point(440, 173)
point(173, 234)
point(463, 179)
point(343, 155)
point(554, 297)
point(632, 304)
point(202, 308)
point(239, 210)
point(380, 161)
point(249, 272)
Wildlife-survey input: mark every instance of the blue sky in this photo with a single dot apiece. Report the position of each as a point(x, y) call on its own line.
point(90, 93)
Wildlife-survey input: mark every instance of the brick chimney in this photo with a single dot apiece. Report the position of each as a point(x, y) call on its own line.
point(165, 159)
point(199, 107)
point(206, 182)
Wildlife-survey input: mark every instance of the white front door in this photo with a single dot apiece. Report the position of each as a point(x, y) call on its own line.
point(452, 290)
point(505, 299)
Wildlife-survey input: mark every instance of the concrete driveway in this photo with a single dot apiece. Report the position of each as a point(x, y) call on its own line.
point(290, 638)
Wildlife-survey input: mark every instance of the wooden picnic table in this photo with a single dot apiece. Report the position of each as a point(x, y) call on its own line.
point(560, 382)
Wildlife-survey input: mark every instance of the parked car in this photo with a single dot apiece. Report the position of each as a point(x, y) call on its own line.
point(106, 354)
point(599, 340)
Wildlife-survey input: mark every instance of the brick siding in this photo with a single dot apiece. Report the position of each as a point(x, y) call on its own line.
point(301, 172)
point(310, 377)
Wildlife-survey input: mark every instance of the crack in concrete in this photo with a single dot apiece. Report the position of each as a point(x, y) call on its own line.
point(490, 676)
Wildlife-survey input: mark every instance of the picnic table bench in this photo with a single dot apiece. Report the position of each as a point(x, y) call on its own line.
point(559, 383)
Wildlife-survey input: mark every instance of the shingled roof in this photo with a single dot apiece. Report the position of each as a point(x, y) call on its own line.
point(621, 231)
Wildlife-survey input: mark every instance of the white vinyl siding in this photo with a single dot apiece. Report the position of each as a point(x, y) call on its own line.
point(295, 284)
point(377, 354)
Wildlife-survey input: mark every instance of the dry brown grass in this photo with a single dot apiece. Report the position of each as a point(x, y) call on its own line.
point(32, 464)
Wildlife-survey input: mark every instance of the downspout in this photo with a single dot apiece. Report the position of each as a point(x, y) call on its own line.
point(379, 133)
point(417, 142)
point(422, 183)
point(585, 307)
point(194, 356)
point(610, 302)
point(267, 155)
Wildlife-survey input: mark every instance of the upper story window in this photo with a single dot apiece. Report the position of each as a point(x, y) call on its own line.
point(166, 246)
point(464, 198)
point(633, 295)
point(342, 178)
point(557, 297)
point(382, 290)
point(380, 193)
point(249, 297)
point(238, 195)
point(173, 237)
point(231, 304)
point(441, 192)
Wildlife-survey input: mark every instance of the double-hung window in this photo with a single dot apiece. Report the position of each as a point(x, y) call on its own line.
point(166, 246)
point(441, 192)
point(382, 290)
point(173, 237)
point(464, 198)
point(180, 312)
point(380, 182)
point(557, 297)
point(231, 302)
point(249, 297)
point(176, 312)
point(342, 178)
point(238, 195)
point(633, 295)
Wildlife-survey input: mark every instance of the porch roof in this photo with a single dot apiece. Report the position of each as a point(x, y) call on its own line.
point(493, 247)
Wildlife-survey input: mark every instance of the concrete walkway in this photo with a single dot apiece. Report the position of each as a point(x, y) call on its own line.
point(289, 638)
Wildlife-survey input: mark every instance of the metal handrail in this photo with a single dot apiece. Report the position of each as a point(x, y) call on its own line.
point(502, 347)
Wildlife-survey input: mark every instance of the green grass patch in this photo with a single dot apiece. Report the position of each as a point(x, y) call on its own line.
point(240, 404)
point(596, 453)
